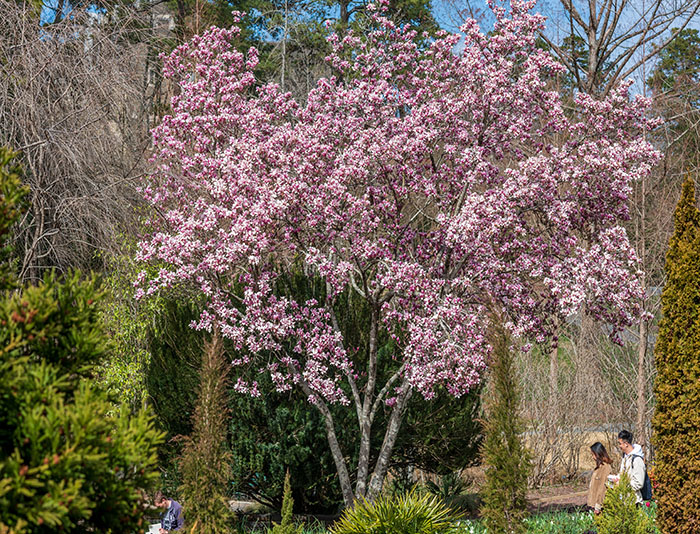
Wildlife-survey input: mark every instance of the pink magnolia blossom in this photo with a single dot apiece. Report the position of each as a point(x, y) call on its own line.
point(434, 185)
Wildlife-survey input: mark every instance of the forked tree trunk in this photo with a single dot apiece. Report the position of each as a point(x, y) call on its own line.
point(338, 458)
point(362, 488)
point(367, 403)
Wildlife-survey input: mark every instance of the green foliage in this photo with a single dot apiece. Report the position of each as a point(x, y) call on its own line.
point(506, 458)
point(287, 525)
point(172, 380)
point(441, 435)
point(276, 432)
point(127, 322)
point(65, 464)
point(679, 62)
point(560, 523)
point(12, 195)
point(401, 482)
point(192, 17)
point(172, 376)
point(545, 523)
point(269, 434)
point(676, 421)
point(620, 513)
point(448, 489)
point(415, 13)
point(206, 459)
point(280, 431)
point(406, 514)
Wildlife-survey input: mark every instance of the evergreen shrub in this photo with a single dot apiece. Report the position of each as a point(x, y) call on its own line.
point(206, 458)
point(676, 421)
point(286, 526)
point(620, 513)
point(507, 461)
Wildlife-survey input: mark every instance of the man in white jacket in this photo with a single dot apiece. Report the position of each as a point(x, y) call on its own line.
point(632, 462)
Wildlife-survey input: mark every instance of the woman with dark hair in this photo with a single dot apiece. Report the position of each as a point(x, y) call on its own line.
point(603, 467)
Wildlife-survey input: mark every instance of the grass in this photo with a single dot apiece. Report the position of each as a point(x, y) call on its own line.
point(547, 523)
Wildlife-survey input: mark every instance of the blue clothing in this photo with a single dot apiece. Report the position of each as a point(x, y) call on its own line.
point(172, 519)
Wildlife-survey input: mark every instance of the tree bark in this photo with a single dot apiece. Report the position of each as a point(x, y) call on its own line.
point(643, 326)
point(59, 12)
point(382, 465)
point(338, 458)
point(365, 422)
point(344, 14)
point(554, 383)
point(620, 37)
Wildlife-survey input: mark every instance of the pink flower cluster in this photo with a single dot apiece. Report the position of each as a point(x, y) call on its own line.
point(434, 185)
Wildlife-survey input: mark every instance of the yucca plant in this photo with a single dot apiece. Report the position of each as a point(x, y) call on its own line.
point(410, 513)
point(449, 487)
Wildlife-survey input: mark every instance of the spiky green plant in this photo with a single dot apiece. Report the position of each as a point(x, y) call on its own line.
point(410, 513)
point(448, 487)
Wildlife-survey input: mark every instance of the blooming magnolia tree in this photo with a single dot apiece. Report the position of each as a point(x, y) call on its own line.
point(443, 190)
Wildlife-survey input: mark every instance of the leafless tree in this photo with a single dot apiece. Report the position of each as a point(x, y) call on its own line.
point(75, 99)
point(601, 43)
point(618, 37)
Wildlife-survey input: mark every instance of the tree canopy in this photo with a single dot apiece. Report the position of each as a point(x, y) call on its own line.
point(427, 184)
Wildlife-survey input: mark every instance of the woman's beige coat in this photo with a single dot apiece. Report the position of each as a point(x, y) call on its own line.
point(596, 491)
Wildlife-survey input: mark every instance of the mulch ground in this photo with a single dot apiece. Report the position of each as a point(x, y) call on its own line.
point(556, 498)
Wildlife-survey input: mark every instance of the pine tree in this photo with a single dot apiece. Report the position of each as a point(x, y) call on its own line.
point(66, 465)
point(676, 422)
point(507, 460)
point(206, 458)
point(620, 513)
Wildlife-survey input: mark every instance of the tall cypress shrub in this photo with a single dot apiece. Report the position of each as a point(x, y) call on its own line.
point(507, 461)
point(676, 422)
point(206, 458)
point(287, 526)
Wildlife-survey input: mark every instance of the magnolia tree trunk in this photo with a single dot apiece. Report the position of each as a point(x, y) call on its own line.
point(554, 384)
point(370, 478)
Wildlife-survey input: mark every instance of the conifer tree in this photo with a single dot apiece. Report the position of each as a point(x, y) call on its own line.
point(676, 422)
point(65, 464)
point(506, 458)
point(206, 458)
point(287, 525)
point(620, 512)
